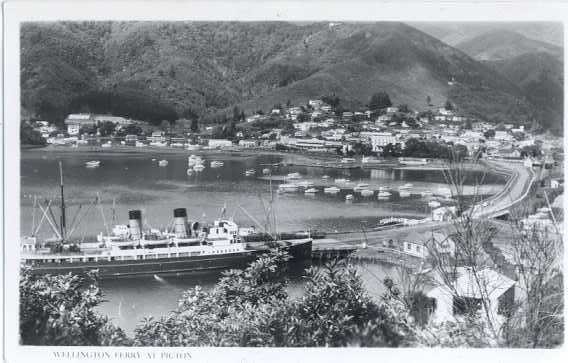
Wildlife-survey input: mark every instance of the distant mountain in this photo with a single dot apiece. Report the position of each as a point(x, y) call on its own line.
point(539, 75)
point(504, 44)
point(453, 33)
point(155, 71)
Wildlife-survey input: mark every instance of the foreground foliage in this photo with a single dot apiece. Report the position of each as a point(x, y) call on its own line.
point(59, 310)
point(251, 308)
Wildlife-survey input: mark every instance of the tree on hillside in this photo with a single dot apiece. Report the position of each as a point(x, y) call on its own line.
point(130, 130)
point(428, 100)
point(403, 108)
point(106, 128)
point(194, 125)
point(380, 100)
point(303, 117)
point(489, 134)
point(29, 136)
point(165, 125)
point(331, 100)
point(449, 106)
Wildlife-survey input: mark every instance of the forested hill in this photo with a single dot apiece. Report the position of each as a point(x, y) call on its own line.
point(154, 71)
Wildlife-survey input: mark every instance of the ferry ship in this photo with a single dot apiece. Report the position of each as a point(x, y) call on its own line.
point(131, 251)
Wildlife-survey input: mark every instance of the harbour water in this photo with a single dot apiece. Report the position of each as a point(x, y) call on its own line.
point(136, 181)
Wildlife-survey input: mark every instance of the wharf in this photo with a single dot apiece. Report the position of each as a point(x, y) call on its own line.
point(327, 248)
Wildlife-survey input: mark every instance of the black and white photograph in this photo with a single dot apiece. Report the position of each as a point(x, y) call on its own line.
point(286, 183)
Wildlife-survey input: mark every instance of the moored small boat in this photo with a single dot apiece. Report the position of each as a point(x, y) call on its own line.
point(163, 163)
point(383, 194)
point(311, 191)
point(433, 204)
point(250, 172)
point(404, 193)
point(287, 188)
point(217, 164)
point(93, 164)
point(306, 184)
point(349, 197)
point(367, 192)
point(360, 187)
point(405, 186)
point(331, 190)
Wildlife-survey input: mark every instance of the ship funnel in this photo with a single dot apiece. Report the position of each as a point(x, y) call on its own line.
point(135, 224)
point(180, 223)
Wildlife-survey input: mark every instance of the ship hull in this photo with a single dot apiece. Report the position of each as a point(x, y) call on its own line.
point(109, 269)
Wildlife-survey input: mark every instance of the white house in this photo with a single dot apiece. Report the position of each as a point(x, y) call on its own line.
point(467, 293)
point(444, 213)
point(444, 112)
point(383, 118)
point(392, 109)
point(316, 104)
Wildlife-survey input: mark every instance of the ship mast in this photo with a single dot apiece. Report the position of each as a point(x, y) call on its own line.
point(62, 223)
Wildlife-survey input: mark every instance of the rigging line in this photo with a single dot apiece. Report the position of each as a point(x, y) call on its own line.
point(102, 212)
point(74, 218)
point(34, 215)
point(49, 220)
point(40, 222)
point(54, 220)
point(252, 218)
point(74, 227)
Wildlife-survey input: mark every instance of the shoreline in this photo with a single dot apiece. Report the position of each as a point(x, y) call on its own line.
point(306, 159)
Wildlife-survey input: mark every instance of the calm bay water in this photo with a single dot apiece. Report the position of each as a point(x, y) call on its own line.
point(135, 181)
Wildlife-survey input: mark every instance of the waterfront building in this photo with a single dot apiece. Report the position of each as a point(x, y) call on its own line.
point(157, 137)
point(379, 139)
point(311, 144)
point(220, 143)
point(117, 120)
point(248, 143)
point(75, 121)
